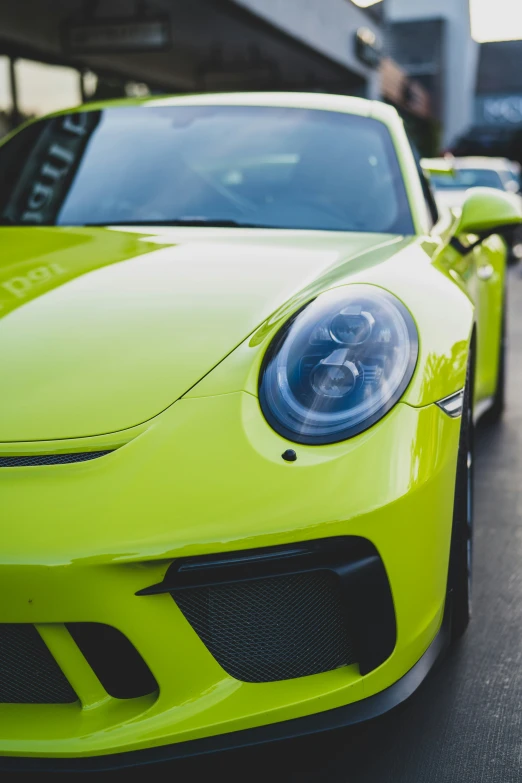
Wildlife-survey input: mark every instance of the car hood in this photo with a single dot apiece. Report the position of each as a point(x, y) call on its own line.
point(102, 329)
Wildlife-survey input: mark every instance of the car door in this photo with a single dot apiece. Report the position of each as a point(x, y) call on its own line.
point(489, 261)
point(481, 271)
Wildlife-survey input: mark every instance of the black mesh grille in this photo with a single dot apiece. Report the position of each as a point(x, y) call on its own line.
point(271, 629)
point(28, 672)
point(49, 459)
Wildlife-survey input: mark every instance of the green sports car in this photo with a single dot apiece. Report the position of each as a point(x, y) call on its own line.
point(242, 355)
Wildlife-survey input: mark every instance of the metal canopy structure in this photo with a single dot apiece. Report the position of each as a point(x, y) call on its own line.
point(195, 45)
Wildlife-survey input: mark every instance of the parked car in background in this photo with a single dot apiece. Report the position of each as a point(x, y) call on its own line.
point(472, 172)
point(242, 356)
point(515, 172)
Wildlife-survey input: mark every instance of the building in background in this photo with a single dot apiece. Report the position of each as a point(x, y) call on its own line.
point(497, 128)
point(414, 103)
point(111, 48)
point(498, 101)
point(58, 53)
point(497, 120)
point(431, 40)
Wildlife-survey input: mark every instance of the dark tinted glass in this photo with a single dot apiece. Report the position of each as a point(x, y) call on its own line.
point(273, 167)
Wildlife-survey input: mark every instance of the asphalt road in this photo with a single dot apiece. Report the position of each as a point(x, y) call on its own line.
point(465, 722)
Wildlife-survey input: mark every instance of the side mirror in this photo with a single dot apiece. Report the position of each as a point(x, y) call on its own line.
point(488, 211)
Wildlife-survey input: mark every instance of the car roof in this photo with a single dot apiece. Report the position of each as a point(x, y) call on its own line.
point(479, 162)
point(301, 100)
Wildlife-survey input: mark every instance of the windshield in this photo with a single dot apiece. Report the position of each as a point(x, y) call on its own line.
point(208, 165)
point(468, 178)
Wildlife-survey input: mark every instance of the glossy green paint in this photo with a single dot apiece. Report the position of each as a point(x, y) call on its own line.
point(150, 343)
point(487, 209)
point(109, 528)
point(108, 350)
point(481, 276)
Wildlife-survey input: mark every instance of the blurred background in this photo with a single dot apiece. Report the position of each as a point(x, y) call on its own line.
point(444, 64)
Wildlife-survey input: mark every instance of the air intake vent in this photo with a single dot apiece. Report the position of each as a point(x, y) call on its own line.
point(28, 672)
point(115, 661)
point(287, 611)
point(35, 460)
point(270, 629)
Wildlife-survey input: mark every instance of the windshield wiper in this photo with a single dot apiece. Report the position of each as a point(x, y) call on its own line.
point(196, 221)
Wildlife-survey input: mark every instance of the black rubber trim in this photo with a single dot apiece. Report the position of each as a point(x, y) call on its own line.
point(337, 718)
point(457, 245)
point(465, 250)
point(356, 563)
point(38, 460)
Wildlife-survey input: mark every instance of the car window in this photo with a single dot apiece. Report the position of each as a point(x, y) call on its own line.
point(469, 178)
point(274, 167)
point(511, 180)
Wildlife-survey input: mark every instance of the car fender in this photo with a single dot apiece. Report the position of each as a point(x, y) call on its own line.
point(442, 310)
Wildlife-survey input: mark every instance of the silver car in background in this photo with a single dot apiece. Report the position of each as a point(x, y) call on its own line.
point(472, 172)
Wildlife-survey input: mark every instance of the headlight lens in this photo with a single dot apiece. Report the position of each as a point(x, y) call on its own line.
point(339, 365)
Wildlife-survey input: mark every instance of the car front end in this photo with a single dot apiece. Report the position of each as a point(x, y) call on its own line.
point(204, 545)
point(327, 570)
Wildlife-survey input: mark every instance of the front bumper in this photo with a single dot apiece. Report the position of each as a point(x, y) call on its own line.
point(80, 540)
point(340, 717)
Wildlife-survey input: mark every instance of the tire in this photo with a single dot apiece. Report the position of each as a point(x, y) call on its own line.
point(494, 414)
point(462, 535)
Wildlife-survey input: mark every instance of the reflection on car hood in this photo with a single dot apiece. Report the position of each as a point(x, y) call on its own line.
point(102, 329)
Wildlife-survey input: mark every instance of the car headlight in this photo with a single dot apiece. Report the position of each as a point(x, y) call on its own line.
point(338, 365)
